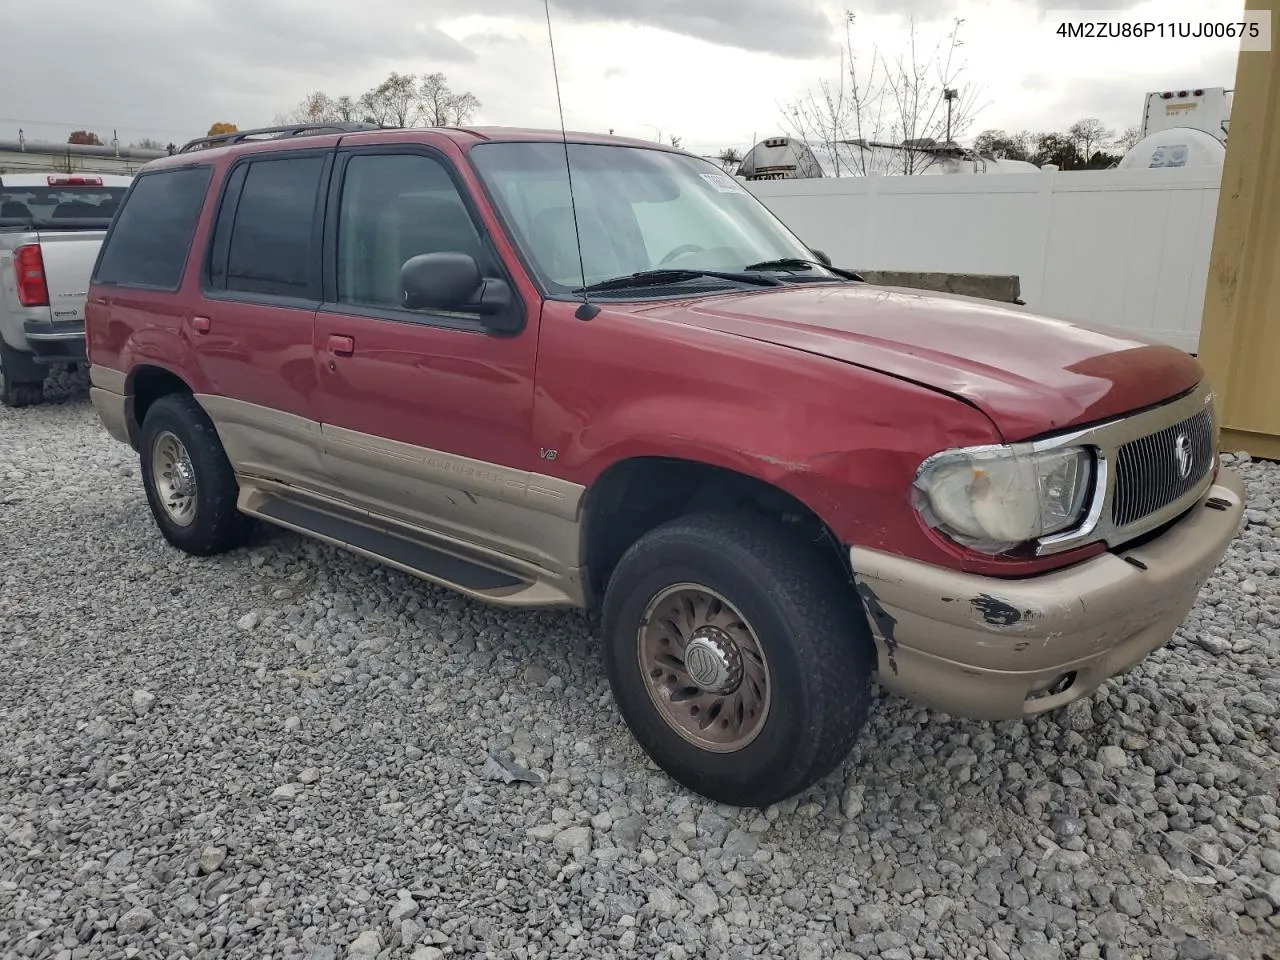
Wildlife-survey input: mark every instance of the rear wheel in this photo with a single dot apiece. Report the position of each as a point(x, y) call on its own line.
point(189, 483)
point(738, 656)
point(21, 378)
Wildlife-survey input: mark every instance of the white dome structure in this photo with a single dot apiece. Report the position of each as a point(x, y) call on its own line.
point(1175, 147)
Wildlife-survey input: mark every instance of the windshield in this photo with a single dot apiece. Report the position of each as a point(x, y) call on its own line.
point(51, 204)
point(637, 209)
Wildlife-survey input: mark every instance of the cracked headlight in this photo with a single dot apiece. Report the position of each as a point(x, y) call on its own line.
point(992, 499)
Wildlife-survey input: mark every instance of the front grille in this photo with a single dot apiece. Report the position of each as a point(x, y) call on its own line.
point(1149, 470)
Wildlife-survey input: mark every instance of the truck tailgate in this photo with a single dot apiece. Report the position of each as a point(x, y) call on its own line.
point(68, 263)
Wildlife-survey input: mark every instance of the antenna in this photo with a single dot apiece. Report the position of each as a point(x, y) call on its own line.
point(588, 309)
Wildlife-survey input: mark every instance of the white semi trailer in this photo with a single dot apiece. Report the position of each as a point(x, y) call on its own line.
point(1182, 128)
point(1196, 108)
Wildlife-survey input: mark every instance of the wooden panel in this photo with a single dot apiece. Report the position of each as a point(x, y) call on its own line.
point(1240, 334)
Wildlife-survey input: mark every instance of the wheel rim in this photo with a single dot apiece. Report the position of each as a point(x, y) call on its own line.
point(704, 668)
point(175, 479)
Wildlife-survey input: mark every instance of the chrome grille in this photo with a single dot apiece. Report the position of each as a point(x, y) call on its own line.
point(1150, 470)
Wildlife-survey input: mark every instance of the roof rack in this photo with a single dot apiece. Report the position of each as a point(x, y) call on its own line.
point(275, 133)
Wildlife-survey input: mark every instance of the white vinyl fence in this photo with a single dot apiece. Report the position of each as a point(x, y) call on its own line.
point(1119, 248)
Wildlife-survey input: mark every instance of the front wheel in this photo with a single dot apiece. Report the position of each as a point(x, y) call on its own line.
point(738, 656)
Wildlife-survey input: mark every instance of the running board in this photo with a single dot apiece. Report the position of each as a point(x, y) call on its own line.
point(411, 556)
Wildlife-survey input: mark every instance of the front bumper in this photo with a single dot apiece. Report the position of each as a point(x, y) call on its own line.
point(995, 649)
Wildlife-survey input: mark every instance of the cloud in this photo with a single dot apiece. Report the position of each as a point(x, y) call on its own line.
point(792, 28)
point(712, 72)
point(946, 9)
point(1118, 103)
point(168, 68)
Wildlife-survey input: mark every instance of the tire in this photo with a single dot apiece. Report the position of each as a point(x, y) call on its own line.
point(18, 387)
point(206, 521)
point(799, 611)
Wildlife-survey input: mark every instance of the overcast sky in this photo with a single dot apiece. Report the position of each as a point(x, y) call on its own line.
point(169, 68)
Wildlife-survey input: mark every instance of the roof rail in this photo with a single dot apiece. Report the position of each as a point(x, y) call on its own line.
point(275, 133)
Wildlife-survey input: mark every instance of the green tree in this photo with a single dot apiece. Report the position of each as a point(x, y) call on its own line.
point(1004, 146)
point(1056, 148)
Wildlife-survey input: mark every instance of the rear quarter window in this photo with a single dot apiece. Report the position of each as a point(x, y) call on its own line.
point(149, 242)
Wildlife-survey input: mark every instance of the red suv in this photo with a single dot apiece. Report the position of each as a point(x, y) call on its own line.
point(597, 372)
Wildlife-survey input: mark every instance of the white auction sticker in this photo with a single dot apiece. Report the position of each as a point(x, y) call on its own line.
point(723, 183)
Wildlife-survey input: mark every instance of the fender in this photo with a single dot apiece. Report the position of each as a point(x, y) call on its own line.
point(842, 440)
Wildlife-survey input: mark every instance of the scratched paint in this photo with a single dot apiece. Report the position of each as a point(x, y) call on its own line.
point(998, 613)
point(884, 623)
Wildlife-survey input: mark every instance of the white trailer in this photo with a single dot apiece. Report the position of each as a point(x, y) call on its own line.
point(1197, 108)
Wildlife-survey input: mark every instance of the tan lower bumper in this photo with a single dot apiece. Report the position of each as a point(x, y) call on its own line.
point(989, 649)
point(112, 409)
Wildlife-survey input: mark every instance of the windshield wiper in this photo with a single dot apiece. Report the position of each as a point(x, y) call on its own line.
point(796, 263)
point(654, 278)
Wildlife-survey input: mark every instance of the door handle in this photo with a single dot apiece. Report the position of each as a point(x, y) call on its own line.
point(341, 346)
point(200, 324)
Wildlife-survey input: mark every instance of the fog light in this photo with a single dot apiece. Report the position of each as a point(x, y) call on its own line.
point(1051, 688)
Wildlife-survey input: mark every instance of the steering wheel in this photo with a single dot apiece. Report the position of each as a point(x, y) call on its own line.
point(683, 248)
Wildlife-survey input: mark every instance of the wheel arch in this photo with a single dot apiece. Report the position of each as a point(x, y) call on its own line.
point(145, 384)
point(636, 494)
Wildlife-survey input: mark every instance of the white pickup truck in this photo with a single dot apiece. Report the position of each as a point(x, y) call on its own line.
point(51, 226)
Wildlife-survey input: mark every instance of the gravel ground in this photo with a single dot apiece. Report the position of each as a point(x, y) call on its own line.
point(290, 752)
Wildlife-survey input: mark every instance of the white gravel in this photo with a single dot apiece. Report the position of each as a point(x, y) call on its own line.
point(290, 752)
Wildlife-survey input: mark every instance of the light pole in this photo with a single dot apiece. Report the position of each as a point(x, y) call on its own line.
point(949, 94)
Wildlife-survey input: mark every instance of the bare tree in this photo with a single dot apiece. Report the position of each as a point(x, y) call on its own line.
point(730, 159)
point(374, 108)
point(840, 110)
point(401, 100)
point(316, 107)
point(441, 107)
point(147, 143)
point(463, 108)
point(346, 109)
point(823, 117)
point(399, 96)
point(1128, 140)
point(1090, 136)
point(1005, 146)
point(862, 119)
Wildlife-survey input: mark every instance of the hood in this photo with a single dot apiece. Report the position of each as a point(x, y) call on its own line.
point(1029, 373)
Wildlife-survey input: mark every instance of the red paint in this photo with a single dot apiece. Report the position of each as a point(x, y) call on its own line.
point(463, 393)
point(834, 393)
point(341, 346)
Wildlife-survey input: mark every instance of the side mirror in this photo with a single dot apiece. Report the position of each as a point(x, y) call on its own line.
point(452, 282)
point(444, 281)
point(823, 259)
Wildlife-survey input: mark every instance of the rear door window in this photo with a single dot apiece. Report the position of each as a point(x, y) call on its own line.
point(148, 244)
point(266, 239)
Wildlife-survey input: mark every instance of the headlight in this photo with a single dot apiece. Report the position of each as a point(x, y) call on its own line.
point(992, 499)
